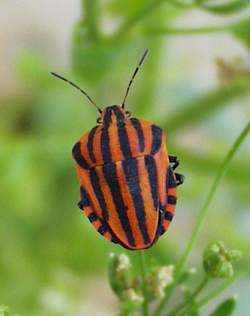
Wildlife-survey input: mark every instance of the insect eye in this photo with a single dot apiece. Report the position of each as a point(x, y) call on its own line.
point(128, 113)
point(99, 120)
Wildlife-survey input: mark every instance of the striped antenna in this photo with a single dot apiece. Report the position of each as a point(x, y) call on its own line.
point(133, 77)
point(78, 88)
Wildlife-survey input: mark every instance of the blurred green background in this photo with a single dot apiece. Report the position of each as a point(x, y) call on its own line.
point(195, 84)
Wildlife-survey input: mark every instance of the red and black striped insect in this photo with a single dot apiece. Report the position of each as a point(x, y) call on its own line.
point(127, 179)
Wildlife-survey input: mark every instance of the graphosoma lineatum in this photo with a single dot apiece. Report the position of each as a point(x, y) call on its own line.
point(127, 179)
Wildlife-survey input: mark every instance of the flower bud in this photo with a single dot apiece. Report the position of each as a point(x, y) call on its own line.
point(234, 255)
point(217, 260)
point(131, 301)
point(119, 273)
point(159, 280)
point(133, 297)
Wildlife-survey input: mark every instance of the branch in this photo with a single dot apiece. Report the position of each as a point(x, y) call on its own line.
point(202, 215)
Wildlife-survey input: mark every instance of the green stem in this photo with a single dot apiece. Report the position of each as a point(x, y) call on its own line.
point(215, 293)
point(226, 8)
point(192, 297)
point(144, 282)
point(194, 30)
point(181, 4)
point(138, 16)
point(189, 31)
point(91, 13)
point(202, 215)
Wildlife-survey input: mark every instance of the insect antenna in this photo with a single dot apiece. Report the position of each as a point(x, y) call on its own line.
point(133, 76)
point(78, 88)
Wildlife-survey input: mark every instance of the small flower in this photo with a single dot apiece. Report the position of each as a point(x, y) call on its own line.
point(217, 260)
point(123, 263)
point(119, 273)
point(131, 301)
point(133, 297)
point(160, 279)
point(165, 275)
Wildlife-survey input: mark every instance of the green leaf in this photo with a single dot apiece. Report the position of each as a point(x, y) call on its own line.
point(226, 8)
point(208, 163)
point(192, 312)
point(226, 308)
point(242, 31)
point(32, 69)
point(91, 60)
point(206, 105)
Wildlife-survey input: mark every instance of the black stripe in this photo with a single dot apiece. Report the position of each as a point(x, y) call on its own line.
point(102, 229)
point(114, 239)
point(124, 141)
point(90, 143)
point(137, 125)
point(98, 192)
point(110, 174)
point(106, 154)
point(171, 183)
point(107, 117)
point(131, 172)
point(156, 139)
point(160, 230)
point(84, 199)
point(168, 215)
point(92, 217)
point(152, 173)
point(77, 155)
point(171, 199)
point(118, 113)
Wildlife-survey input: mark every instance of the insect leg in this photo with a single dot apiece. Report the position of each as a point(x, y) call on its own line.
point(179, 178)
point(167, 210)
point(174, 160)
point(99, 224)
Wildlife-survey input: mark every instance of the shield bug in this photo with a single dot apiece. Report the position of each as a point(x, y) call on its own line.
point(127, 180)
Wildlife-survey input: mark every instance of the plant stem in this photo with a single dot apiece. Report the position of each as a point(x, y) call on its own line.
point(192, 297)
point(138, 16)
point(188, 31)
point(215, 293)
point(168, 30)
point(181, 4)
point(202, 215)
point(144, 282)
point(91, 12)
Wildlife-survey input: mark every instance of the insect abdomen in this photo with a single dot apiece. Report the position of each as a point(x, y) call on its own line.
point(131, 200)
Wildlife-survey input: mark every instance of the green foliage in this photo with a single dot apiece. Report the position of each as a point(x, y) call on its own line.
point(5, 311)
point(124, 285)
point(229, 7)
point(226, 308)
point(50, 256)
point(218, 261)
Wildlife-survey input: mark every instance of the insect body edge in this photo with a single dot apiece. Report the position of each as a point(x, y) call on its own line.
point(122, 164)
